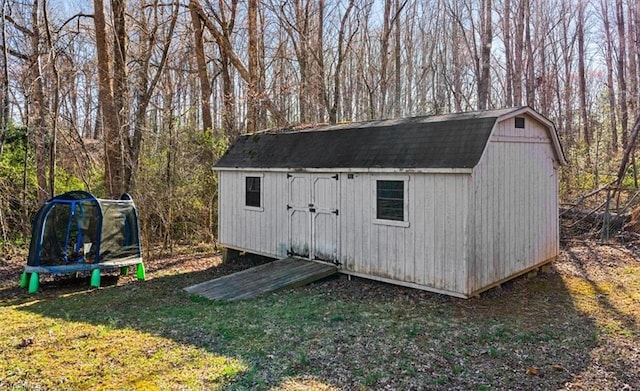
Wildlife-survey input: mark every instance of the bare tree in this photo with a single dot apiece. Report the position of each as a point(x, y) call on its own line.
point(506, 36)
point(518, 60)
point(582, 87)
point(622, 81)
point(610, 86)
point(530, 85)
point(4, 85)
point(201, 61)
point(633, 53)
point(37, 120)
point(253, 99)
point(114, 175)
point(147, 82)
point(486, 37)
point(227, 23)
point(226, 47)
point(342, 50)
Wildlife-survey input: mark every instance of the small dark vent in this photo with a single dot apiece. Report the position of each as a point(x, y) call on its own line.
point(520, 122)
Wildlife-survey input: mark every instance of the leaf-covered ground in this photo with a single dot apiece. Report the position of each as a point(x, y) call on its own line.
point(576, 327)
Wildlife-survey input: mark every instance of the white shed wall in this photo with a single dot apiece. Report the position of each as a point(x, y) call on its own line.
point(515, 204)
point(260, 231)
point(430, 252)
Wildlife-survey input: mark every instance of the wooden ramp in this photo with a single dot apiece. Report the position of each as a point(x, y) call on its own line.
point(272, 276)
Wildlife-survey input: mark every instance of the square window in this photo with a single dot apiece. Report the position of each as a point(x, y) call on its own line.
point(390, 200)
point(252, 191)
point(520, 122)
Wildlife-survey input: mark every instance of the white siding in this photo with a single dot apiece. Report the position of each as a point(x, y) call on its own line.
point(515, 204)
point(261, 231)
point(430, 252)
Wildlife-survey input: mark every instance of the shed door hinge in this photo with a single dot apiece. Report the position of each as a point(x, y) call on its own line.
point(335, 211)
point(288, 206)
point(335, 177)
point(289, 175)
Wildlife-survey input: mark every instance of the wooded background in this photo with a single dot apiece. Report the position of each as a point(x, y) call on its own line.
point(143, 96)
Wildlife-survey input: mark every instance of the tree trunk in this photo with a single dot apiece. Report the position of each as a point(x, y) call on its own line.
point(228, 98)
point(622, 82)
point(518, 61)
point(610, 87)
point(110, 118)
point(582, 82)
point(506, 31)
point(486, 37)
point(384, 58)
point(121, 89)
point(205, 87)
point(252, 91)
point(322, 98)
point(56, 103)
point(530, 78)
point(397, 55)
point(342, 49)
point(37, 101)
point(633, 50)
point(4, 86)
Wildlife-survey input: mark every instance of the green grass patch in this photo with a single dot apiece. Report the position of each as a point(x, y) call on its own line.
point(338, 334)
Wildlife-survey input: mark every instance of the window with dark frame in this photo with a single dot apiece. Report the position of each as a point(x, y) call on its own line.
point(390, 200)
point(252, 193)
point(519, 122)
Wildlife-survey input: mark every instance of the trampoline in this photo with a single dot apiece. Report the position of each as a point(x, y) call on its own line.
point(77, 232)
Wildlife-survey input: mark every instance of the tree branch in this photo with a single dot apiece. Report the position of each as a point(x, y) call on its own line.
point(226, 46)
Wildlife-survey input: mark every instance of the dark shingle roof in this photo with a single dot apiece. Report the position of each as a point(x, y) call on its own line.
point(449, 141)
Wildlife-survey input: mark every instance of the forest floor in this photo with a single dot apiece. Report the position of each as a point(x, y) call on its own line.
point(575, 327)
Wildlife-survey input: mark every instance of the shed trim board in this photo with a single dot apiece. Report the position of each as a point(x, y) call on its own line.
point(455, 230)
point(356, 170)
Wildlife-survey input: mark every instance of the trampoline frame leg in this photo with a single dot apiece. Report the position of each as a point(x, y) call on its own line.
point(95, 278)
point(140, 273)
point(24, 280)
point(34, 283)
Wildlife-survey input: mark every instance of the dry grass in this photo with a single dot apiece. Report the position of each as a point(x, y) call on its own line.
point(573, 328)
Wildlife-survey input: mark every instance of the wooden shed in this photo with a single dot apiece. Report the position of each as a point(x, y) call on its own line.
point(452, 203)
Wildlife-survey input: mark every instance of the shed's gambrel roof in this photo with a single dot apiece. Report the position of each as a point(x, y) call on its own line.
point(450, 141)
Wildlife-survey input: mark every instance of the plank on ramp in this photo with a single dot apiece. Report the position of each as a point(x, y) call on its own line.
point(258, 280)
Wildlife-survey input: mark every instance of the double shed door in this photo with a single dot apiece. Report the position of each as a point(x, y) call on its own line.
point(313, 216)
